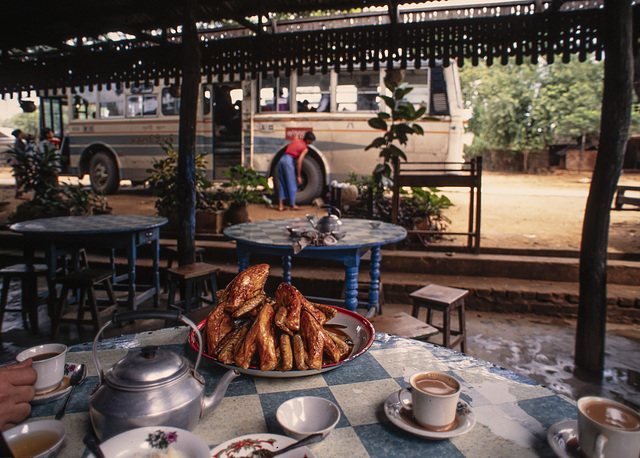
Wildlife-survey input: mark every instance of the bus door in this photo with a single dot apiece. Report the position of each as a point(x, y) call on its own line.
point(226, 118)
point(53, 114)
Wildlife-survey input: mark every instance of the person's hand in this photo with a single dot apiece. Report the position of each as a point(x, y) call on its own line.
point(16, 390)
point(299, 179)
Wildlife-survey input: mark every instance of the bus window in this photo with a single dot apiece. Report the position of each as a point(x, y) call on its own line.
point(84, 106)
point(358, 91)
point(111, 103)
point(313, 93)
point(171, 105)
point(419, 81)
point(269, 87)
point(139, 105)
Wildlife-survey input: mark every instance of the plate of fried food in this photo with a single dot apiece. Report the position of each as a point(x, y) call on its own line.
point(281, 337)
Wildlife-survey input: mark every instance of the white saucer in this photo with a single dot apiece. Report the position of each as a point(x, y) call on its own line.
point(243, 446)
point(563, 439)
point(403, 419)
point(52, 395)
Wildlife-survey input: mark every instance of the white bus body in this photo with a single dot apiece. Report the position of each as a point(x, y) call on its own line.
point(114, 134)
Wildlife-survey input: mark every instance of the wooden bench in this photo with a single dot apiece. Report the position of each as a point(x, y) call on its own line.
point(622, 199)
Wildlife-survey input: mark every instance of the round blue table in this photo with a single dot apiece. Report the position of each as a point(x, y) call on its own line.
point(272, 237)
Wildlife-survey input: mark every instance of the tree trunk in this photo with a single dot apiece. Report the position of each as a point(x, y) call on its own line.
point(186, 185)
point(614, 128)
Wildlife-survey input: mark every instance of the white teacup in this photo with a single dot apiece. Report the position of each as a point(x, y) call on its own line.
point(607, 428)
point(48, 362)
point(434, 399)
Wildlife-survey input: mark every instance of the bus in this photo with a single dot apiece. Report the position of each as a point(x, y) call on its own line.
point(113, 133)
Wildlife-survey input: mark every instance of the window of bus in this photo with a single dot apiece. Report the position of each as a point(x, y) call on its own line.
point(269, 86)
point(170, 104)
point(358, 91)
point(142, 105)
point(111, 103)
point(84, 106)
point(419, 81)
point(313, 93)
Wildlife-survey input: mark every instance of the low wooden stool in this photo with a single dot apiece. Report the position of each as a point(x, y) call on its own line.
point(446, 300)
point(403, 325)
point(193, 279)
point(28, 277)
point(84, 281)
point(172, 253)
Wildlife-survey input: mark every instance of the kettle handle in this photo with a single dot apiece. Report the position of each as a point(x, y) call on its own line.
point(123, 317)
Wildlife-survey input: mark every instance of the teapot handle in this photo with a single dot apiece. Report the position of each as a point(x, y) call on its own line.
point(337, 210)
point(123, 317)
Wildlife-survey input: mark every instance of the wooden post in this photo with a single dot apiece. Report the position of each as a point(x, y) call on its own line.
point(186, 185)
point(614, 129)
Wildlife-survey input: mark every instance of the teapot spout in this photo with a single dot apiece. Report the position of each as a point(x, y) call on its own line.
point(211, 402)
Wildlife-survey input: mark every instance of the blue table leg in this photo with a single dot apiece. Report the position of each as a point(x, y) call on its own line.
point(374, 274)
point(286, 269)
point(351, 268)
point(131, 261)
point(242, 253)
point(155, 247)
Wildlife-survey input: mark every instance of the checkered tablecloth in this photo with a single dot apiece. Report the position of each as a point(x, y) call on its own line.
point(513, 412)
point(358, 232)
point(103, 224)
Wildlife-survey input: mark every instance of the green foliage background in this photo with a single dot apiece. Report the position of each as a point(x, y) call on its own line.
point(525, 108)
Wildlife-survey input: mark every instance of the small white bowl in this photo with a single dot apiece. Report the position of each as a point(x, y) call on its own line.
point(39, 439)
point(306, 415)
point(375, 224)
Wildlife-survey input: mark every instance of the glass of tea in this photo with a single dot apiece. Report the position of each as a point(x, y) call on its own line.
point(48, 362)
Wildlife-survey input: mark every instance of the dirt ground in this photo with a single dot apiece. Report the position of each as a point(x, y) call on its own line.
point(518, 211)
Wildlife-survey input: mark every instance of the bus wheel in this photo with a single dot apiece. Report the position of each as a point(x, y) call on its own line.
point(312, 182)
point(103, 171)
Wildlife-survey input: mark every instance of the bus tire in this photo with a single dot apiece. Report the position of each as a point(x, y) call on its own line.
point(103, 172)
point(312, 182)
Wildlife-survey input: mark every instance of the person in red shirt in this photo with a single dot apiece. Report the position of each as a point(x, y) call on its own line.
point(290, 170)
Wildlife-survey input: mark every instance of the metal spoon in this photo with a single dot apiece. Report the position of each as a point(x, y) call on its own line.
point(76, 376)
point(312, 439)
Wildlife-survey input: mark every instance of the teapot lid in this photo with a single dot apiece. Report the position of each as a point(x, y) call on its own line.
point(148, 368)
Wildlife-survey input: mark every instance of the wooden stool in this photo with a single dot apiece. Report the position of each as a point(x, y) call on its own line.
point(443, 299)
point(28, 280)
point(84, 281)
point(403, 325)
point(172, 253)
point(192, 278)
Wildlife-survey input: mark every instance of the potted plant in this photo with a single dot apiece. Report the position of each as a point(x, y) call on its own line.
point(38, 172)
point(245, 186)
point(162, 181)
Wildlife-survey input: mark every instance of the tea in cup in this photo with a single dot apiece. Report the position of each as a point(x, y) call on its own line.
point(607, 428)
point(48, 362)
point(434, 399)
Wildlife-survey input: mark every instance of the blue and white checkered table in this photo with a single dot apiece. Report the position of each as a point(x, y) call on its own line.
point(513, 412)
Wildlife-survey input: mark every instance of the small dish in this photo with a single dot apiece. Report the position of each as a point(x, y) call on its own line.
point(243, 446)
point(375, 224)
point(139, 442)
point(57, 393)
point(563, 439)
point(403, 418)
point(295, 231)
point(339, 235)
point(302, 416)
point(38, 439)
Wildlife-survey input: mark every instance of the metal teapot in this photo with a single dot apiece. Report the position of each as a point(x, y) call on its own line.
point(152, 386)
point(328, 223)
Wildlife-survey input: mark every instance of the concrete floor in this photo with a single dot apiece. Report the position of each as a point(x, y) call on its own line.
point(538, 347)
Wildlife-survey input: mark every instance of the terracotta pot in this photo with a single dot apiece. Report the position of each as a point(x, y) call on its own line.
point(237, 214)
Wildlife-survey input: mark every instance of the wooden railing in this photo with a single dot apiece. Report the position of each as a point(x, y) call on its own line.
point(437, 175)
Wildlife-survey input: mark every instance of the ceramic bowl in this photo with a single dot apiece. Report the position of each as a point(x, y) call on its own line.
point(295, 230)
point(39, 439)
point(375, 224)
point(306, 415)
